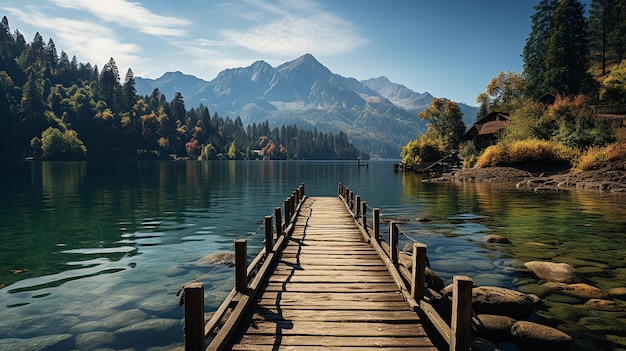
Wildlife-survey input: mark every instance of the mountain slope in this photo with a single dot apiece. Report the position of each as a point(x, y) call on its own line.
point(379, 116)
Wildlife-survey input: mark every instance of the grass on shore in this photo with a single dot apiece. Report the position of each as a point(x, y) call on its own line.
point(540, 153)
point(596, 157)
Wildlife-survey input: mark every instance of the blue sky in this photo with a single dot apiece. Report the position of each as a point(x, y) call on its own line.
point(449, 48)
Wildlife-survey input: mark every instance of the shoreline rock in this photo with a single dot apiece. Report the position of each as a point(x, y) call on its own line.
point(610, 178)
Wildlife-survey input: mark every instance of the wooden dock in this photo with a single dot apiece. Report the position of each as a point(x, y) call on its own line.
point(329, 288)
point(323, 282)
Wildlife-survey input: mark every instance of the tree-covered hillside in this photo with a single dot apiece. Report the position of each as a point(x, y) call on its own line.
point(55, 107)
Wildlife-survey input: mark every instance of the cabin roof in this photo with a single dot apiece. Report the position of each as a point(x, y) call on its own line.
point(490, 127)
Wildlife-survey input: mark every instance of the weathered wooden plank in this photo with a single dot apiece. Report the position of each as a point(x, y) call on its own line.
point(333, 328)
point(254, 342)
point(326, 287)
point(354, 297)
point(276, 314)
point(330, 279)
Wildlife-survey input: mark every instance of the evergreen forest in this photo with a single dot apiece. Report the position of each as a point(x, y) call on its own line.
point(56, 108)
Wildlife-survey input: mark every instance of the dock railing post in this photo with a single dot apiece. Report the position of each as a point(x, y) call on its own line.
point(352, 200)
point(287, 213)
point(364, 215)
point(419, 272)
point(279, 222)
point(393, 242)
point(194, 316)
point(460, 326)
point(241, 265)
point(376, 223)
point(357, 208)
point(269, 236)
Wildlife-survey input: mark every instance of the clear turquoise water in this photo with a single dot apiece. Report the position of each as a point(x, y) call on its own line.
point(87, 249)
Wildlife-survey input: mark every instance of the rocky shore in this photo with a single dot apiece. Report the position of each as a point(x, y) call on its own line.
point(509, 318)
point(610, 178)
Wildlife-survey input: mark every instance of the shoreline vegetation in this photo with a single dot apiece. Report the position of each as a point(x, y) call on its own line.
point(559, 124)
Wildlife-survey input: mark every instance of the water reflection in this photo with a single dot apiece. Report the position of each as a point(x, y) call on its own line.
point(586, 230)
point(102, 241)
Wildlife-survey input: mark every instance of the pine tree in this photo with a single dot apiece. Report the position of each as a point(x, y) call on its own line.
point(109, 84)
point(129, 92)
point(567, 56)
point(599, 27)
point(534, 54)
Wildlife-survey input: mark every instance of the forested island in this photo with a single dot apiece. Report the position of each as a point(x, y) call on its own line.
point(57, 108)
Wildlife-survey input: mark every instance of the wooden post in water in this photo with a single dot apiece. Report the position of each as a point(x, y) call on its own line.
point(357, 208)
point(376, 223)
point(364, 215)
point(461, 324)
point(194, 316)
point(279, 222)
point(269, 236)
point(393, 242)
point(292, 207)
point(419, 272)
point(241, 265)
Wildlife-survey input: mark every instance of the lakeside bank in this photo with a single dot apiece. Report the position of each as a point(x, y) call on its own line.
point(609, 178)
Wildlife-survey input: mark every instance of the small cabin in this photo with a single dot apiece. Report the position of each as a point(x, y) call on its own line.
point(483, 132)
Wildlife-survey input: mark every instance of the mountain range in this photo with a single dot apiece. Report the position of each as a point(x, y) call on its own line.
point(378, 115)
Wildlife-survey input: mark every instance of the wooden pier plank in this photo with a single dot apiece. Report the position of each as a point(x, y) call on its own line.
point(329, 290)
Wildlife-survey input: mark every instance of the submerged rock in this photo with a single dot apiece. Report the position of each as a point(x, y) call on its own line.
point(496, 239)
point(493, 327)
point(580, 290)
point(498, 301)
point(501, 301)
point(217, 258)
point(47, 342)
point(533, 336)
point(618, 293)
point(606, 305)
point(123, 319)
point(95, 340)
point(481, 344)
point(554, 272)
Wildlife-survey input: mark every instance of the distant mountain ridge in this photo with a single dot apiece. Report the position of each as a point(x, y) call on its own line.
point(379, 116)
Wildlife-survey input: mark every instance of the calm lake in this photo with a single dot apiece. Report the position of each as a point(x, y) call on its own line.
point(92, 255)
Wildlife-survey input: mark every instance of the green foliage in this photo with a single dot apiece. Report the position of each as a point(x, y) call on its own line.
point(556, 57)
point(569, 121)
point(423, 149)
point(576, 124)
point(41, 91)
point(607, 32)
point(57, 145)
point(446, 123)
point(614, 86)
point(469, 154)
point(503, 94)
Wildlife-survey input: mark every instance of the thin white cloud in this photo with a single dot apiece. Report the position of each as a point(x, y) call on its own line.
point(294, 28)
point(95, 44)
point(131, 15)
